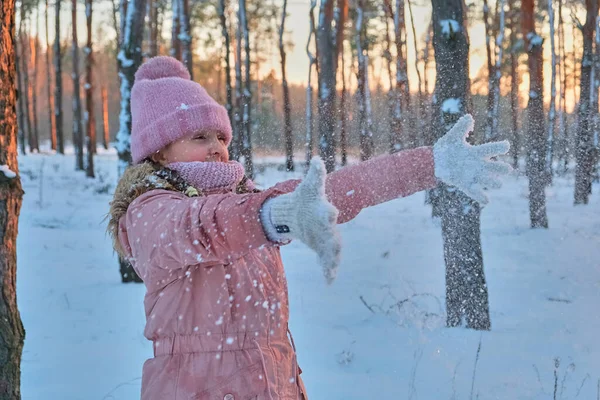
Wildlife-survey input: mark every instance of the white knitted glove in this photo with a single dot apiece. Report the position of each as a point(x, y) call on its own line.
point(306, 215)
point(467, 167)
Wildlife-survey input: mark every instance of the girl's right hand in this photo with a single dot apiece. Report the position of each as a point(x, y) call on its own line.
point(306, 215)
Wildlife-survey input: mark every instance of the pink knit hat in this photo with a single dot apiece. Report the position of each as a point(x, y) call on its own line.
point(167, 105)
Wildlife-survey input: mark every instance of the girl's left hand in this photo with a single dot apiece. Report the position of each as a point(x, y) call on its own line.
point(469, 168)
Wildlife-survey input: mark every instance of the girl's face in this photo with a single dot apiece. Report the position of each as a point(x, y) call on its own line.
point(209, 146)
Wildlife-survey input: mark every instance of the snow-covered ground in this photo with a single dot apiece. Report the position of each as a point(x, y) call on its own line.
point(377, 333)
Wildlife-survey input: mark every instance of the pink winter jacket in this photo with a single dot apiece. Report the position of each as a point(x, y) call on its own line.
point(217, 303)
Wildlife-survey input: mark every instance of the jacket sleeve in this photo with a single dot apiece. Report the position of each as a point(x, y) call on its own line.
point(372, 182)
point(172, 229)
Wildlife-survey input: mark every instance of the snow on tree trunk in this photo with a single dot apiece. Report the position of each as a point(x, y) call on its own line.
point(466, 290)
point(11, 195)
point(77, 127)
point(552, 109)
point(185, 35)
point(498, 72)
point(49, 85)
point(58, 115)
point(536, 132)
point(583, 152)
point(89, 93)
point(175, 30)
point(362, 76)
point(287, 107)
point(514, 86)
point(326, 56)
point(227, 52)
point(309, 96)
point(130, 58)
point(247, 96)
point(105, 124)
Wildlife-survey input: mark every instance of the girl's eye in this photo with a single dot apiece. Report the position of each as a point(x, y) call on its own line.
point(222, 139)
point(200, 137)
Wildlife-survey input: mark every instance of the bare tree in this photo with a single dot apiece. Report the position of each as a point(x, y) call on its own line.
point(583, 154)
point(21, 106)
point(35, 50)
point(536, 137)
point(175, 30)
point(105, 125)
point(563, 157)
point(401, 78)
point(58, 116)
point(227, 51)
point(25, 92)
point(552, 110)
point(49, 84)
point(77, 128)
point(514, 85)
point(420, 80)
point(247, 94)
point(363, 90)
point(466, 289)
point(498, 71)
point(489, 39)
point(287, 107)
point(343, 112)
point(153, 28)
point(312, 62)
point(130, 58)
point(11, 195)
point(89, 93)
point(185, 35)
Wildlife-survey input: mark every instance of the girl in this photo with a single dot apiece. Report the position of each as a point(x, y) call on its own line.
point(206, 242)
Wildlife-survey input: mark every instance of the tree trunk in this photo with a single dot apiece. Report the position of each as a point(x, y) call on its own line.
point(130, 58)
point(238, 138)
point(309, 96)
point(394, 135)
point(153, 20)
point(77, 128)
point(552, 110)
point(227, 50)
point(419, 107)
point(401, 79)
point(21, 107)
point(49, 86)
point(34, 79)
point(343, 113)
point(562, 73)
point(105, 124)
point(466, 290)
point(25, 54)
point(536, 137)
point(287, 107)
point(185, 37)
point(362, 76)
point(11, 195)
point(491, 73)
point(89, 93)
point(514, 86)
point(583, 154)
point(58, 116)
point(175, 30)
point(326, 56)
point(498, 72)
point(247, 96)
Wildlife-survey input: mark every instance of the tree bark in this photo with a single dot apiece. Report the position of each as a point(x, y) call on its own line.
point(499, 37)
point(227, 51)
point(58, 116)
point(25, 55)
point(21, 107)
point(466, 289)
point(130, 58)
point(77, 127)
point(89, 93)
point(562, 73)
point(313, 62)
point(552, 110)
point(11, 195)
point(536, 137)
